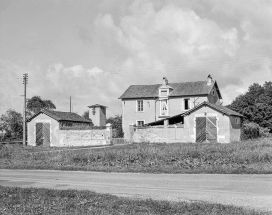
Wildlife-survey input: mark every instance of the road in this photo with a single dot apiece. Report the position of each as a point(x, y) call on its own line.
point(250, 191)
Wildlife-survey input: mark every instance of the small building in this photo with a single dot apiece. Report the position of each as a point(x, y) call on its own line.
point(43, 127)
point(206, 122)
point(97, 113)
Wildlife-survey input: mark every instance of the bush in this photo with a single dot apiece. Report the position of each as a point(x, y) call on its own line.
point(264, 132)
point(250, 130)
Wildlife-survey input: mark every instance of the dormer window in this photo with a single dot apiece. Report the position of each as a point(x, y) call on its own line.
point(164, 92)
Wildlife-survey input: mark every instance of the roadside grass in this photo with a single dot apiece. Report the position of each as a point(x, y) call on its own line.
point(46, 201)
point(246, 157)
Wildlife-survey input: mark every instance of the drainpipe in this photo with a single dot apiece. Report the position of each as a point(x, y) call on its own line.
point(155, 107)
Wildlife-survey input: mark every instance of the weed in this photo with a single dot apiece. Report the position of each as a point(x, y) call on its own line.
point(252, 156)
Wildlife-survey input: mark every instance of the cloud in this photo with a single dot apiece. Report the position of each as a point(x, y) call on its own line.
point(96, 54)
point(184, 44)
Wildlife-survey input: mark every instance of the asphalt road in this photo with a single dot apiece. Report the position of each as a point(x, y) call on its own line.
point(250, 191)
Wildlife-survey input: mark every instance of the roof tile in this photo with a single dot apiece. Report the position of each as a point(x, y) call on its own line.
point(179, 89)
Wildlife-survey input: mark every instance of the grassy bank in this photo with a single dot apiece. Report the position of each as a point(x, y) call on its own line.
point(45, 201)
point(235, 158)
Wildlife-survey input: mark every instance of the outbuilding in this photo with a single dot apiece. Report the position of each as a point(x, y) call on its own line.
point(206, 122)
point(43, 127)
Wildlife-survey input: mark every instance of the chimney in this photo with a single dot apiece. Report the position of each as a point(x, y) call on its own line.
point(164, 81)
point(97, 114)
point(209, 80)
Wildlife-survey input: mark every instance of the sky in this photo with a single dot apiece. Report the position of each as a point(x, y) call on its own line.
point(93, 50)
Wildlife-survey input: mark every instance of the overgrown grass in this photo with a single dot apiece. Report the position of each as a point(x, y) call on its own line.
point(234, 158)
point(46, 201)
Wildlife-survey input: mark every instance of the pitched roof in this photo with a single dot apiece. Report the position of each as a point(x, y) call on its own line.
point(61, 116)
point(97, 105)
point(179, 89)
point(219, 108)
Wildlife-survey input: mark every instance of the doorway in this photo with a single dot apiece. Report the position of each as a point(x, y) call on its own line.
point(42, 134)
point(206, 129)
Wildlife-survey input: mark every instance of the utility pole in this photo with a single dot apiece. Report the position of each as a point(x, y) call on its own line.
point(70, 105)
point(25, 80)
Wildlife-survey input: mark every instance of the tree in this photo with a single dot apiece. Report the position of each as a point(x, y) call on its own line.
point(12, 123)
point(36, 104)
point(256, 104)
point(86, 116)
point(116, 124)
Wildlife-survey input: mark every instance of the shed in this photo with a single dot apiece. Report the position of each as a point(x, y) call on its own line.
point(206, 122)
point(43, 127)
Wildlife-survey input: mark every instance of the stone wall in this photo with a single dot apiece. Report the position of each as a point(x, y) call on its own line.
point(69, 138)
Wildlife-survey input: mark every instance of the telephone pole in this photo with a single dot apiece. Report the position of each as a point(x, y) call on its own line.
point(25, 80)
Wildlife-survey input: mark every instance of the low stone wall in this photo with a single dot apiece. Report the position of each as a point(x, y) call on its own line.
point(69, 138)
point(159, 134)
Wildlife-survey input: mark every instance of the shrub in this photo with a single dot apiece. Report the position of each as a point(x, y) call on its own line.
point(264, 132)
point(250, 131)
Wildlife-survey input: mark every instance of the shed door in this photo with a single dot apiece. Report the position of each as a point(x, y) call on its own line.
point(206, 130)
point(42, 134)
point(200, 129)
point(211, 130)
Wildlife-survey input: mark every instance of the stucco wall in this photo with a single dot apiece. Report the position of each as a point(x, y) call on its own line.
point(31, 129)
point(69, 138)
point(161, 134)
point(130, 115)
point(235, 129)
point(176, 105)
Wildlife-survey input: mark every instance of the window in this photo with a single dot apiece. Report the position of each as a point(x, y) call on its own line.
point(186, 104)
point(140, 123)
point(213, 93)
point(140, 105)
point(164, 93)
point(236, 120)
point(164, 108)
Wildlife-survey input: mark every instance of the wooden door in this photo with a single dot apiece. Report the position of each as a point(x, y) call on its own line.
point(46, 134)
point(211, 129)
point(200, 129)
point(206, 130)
point(42, 134)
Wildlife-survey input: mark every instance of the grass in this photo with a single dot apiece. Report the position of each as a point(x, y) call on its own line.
point(248, 157)
point(46, 201)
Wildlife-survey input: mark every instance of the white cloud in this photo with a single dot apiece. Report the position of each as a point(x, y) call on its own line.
point(132, 42)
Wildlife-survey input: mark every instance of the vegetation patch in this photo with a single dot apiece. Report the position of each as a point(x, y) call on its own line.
point(46, 201)
point(246, 157)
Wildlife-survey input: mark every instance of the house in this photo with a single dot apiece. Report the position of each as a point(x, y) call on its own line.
point(143, 104)
point(43, 127)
